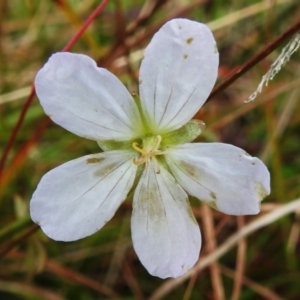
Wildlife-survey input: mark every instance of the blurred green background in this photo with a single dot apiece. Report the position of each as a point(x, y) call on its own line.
point(263, 265)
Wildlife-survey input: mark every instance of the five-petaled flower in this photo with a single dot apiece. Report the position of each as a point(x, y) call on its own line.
point(146, 148)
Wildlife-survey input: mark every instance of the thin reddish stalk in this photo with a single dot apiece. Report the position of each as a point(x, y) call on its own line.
point(16, 130)
point(254, 60)
point(89, 20)
point(9, 173)
point(14, 242)
point(30, 98)
point(73, 276)
point(70, 275)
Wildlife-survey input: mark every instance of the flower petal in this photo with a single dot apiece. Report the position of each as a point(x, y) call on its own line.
point(77, 198)
point(86, 100)
point(165, 234)
point(224, 176)
point(178, 71)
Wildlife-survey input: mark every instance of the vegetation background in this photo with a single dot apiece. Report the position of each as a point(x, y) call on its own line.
point(253, 257)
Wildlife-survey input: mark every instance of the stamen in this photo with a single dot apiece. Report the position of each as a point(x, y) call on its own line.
point(137, 148)
point(139, 161)
point(158, 141)
point(149, 150)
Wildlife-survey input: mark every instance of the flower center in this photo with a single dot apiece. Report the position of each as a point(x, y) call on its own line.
point(150, 149)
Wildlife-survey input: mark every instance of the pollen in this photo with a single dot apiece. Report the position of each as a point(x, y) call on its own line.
point(150, 149)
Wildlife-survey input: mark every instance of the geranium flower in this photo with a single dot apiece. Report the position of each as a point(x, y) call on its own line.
point(146, 149)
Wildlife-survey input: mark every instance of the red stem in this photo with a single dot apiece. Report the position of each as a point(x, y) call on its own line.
point(90, 19)
point(30, 98)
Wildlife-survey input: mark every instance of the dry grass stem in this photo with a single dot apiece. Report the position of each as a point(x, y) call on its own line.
point(260, 222)
point(210, 246)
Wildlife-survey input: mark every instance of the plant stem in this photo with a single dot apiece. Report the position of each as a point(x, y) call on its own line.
point(254, 60)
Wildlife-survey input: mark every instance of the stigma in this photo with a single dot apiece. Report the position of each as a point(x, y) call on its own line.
point(150, 149)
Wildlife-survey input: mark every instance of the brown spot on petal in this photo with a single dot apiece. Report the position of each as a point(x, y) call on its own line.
point(189, 170)
point(213, 195)
point(185, 56)
point(104, 171)
point(189, 40)
point(94, 160)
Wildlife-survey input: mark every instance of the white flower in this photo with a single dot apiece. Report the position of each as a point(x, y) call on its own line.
point(146, 147)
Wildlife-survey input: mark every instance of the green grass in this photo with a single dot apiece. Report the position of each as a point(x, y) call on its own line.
point(32, 266)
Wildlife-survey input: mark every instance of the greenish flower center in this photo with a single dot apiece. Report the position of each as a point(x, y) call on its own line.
point(151, 148)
